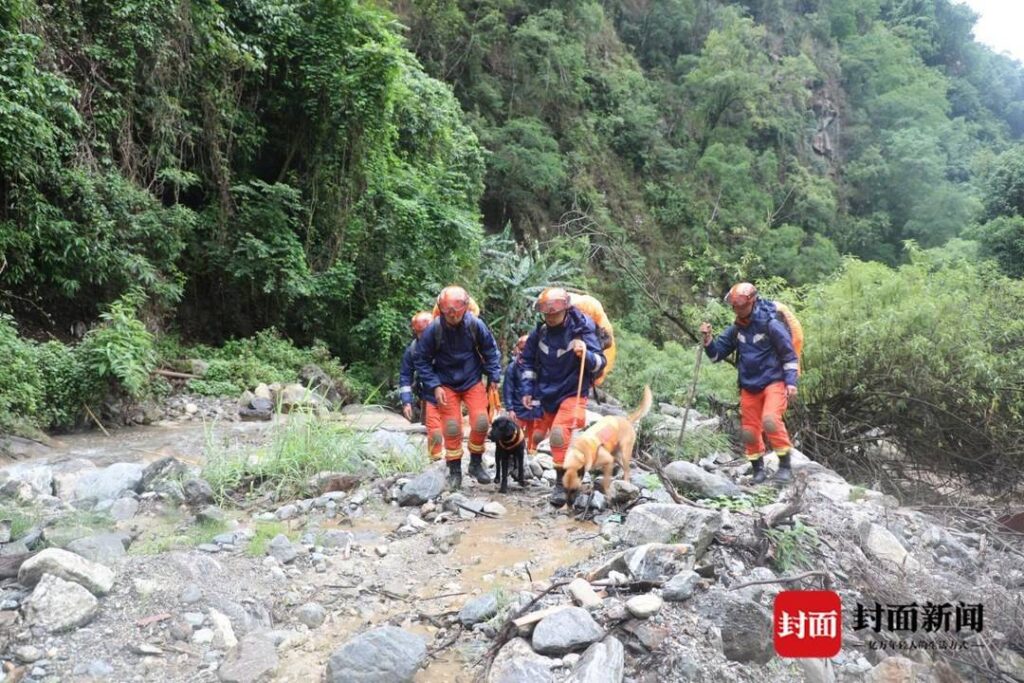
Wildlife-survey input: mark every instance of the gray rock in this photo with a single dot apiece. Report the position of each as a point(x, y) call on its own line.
point(57, 605)
point(669, 523)
point(658, 561)
point(336, 538)
point(518, 663)
point(311, 614)
point(211, 514)
point(644, 606)
point(746, 630)
point(191, 594)
point(693, 478)
point(281, 549)
point(110, 482)
point(382, 655)
point(124, 509)
point(681, 586)
point(880, 543)
point(38, 477)
point(286, 512)
point(594, 499)
point(603, 662)
point(252, 660)
point(622, 492)
point(426, 486)
point(565, 631)
point(105, 549)
point(68, 566)
point(197, 492)
point(480, 608)
point(165, 476)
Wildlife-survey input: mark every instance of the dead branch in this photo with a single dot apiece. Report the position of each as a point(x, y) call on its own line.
point(783, 579)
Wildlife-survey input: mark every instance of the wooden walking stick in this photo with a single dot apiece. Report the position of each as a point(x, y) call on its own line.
point(579, 391)
point(693, 393)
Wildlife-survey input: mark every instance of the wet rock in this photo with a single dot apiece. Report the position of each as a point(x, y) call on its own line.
point(281, 549)
point(479, 609)
point(57, 605)
point(566, 631)
point(657, 561)
point(644, 606)
point(516, 662)
point(603, 662)
point(382, 655)
point(38, 477)
point(165, 476)
point(105, 549)
point(681, 586)
point(110, 482)
point(68, 566)
point(667, 523)
point(252, 660)
point(690, 477)
point(311, 614)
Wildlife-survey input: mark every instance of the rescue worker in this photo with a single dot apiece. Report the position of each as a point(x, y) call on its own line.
point(768, 366)
point(551, 374)
point(512, 397)
point(410, 389)
point(455, 351)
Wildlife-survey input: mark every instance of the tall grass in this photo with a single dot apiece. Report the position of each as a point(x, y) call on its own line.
point(302, 445)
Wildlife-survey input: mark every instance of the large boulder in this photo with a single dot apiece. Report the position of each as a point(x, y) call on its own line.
point(567, 630)
point(68, 566)
point(669, 523)
point(38, 477)
point(603, 662)
point(516, 662)
point(425, 486)
point(57, 605)
point(105, 548)
point(693, 478)
point(658, 561)
point(110, 482)
point(383, 655)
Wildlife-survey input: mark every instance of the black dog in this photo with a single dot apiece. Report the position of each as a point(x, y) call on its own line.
point(509, 451)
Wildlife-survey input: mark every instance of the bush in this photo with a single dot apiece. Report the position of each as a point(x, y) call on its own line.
point(121, 350)
point(927, 357)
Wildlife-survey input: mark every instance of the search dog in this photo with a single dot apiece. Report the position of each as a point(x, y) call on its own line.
point(600, 446)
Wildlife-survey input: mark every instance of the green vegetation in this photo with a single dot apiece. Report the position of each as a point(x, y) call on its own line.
point(764, 495)
point(792, 547)
point(178, 536)
point(264, 533)
point(299, 448)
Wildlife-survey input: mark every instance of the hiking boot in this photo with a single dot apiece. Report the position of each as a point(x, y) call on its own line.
point(757, 471)
point(558, 497)
point(785, 471)
point(476, 469)
point(454, 475)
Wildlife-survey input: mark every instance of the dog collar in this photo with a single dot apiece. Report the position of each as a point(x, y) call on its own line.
point(515, 441)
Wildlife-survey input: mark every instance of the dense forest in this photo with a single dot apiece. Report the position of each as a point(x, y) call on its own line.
point(208, 169)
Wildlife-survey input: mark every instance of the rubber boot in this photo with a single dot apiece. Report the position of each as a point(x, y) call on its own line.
point(558, 497)
point(454, 475)
point(476, 468)
point(785, 472)
point(757, 470)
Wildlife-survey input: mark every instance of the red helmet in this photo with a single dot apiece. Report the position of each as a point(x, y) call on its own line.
point(741, 294)
point(453, 299)
point(552, 300)
point(420, 321)
point(521, 342)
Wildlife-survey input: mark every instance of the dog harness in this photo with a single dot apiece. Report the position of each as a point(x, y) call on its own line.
point(514, 441)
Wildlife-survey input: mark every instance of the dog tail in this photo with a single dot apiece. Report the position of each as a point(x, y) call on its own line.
point(643, 408)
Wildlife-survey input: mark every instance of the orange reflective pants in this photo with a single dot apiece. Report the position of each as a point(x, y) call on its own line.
point(475, 399)
point(571, 416)
point(533, 435)
point(435, 440)
point(762, 412)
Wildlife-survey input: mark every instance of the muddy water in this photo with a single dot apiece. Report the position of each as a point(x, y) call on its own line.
point(475, 565)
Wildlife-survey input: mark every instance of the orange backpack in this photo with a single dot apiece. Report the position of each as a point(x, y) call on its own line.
point(605, 332)
point(785, 315)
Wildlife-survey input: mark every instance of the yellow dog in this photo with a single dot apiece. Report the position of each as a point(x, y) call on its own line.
point(599, 446)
